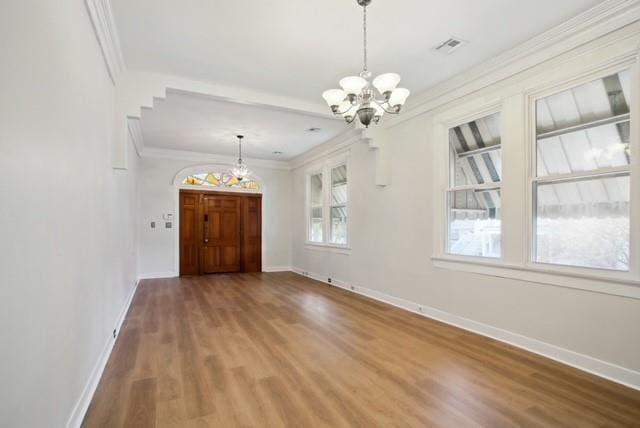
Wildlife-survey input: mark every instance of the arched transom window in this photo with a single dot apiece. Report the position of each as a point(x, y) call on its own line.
point(221, 180)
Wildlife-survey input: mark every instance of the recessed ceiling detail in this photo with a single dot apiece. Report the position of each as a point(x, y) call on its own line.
point(201, 124)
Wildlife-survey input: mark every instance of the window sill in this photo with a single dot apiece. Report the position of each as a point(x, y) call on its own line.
point(321, 246)
point(598, 281)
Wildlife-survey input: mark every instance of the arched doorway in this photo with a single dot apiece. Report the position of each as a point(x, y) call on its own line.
point(219, 222)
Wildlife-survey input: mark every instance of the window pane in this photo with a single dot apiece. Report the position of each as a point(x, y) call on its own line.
point(316, 231)
point(584, 223)
point(584, 128)
point(339, 225)
point(474, 223)
point(339, 185)
point(315, 234)
point(316, 190)
point(475, 152)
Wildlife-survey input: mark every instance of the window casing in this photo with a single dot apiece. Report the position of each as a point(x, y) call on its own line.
point(474, 193)
point(327, 202)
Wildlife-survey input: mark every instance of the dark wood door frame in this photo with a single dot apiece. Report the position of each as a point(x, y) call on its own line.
point(191, 230)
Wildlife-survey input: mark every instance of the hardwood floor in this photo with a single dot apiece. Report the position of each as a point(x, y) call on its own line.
point(279, 349)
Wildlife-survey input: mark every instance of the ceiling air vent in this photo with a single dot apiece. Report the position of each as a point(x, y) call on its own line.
point(450, 45)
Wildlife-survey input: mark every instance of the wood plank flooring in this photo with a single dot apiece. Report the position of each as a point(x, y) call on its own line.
point(278, 349)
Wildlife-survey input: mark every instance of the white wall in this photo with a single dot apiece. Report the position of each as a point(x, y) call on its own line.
point(67, 246)
point(392, 240)
point(158, 196)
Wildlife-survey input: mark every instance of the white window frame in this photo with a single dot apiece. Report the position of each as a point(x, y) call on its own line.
point(325, 168)
point(533, 178)
point(451, 188)
point(517, 103)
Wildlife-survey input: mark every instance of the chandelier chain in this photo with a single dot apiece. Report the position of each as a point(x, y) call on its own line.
point(364, 28)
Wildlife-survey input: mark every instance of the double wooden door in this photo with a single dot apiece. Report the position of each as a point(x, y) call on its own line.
point(220, 232)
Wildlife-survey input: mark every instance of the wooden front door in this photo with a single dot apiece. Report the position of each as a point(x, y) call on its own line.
point(220, 232)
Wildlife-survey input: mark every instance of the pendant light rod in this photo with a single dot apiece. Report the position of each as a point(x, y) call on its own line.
point(364, 33)
point(240, 137)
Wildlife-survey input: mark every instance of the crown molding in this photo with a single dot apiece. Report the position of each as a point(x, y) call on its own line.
point(608, 16)
point(153, 152)
point(135, 132)
point(104, 26)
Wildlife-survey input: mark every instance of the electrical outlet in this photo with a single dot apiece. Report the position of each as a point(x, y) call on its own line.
point(114, 333)
point(329, 280)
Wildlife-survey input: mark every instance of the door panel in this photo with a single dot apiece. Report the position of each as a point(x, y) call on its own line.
point(221, 234)
point(189, 242)
point(252, 234)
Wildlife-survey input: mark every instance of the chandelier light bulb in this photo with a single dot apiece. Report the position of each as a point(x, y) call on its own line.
point(353, 85)
point(333, 97)
point(398, 97)
point(386, 83)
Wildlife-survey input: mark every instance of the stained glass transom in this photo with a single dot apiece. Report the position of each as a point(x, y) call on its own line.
point(220, 179)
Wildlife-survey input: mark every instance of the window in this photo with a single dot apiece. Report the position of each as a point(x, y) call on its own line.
point(316, 225)
point(474, 197)
point(328, 205)
point(581, 187)
point(220, 179)
point(339, 205)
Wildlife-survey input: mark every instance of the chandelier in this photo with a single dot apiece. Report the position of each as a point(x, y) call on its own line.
point(240, 170)
point(358, 99)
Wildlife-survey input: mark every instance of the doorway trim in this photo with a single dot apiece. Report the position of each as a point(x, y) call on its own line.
point(177, 186)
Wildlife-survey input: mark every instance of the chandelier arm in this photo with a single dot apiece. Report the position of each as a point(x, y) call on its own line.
point(337, 113)
point(384, 108)
point(352, 119)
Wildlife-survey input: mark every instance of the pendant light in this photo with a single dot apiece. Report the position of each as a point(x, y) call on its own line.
point(240, 170)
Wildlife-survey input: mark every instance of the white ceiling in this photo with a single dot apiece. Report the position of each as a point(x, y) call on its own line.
point(300, 48)
point(206, 125)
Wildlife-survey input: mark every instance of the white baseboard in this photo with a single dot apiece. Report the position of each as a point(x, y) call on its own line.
point(583, 362)
point(82, 405)
point(277, 269)
point(158, 275)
